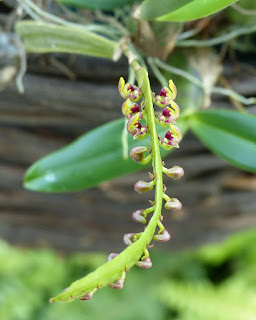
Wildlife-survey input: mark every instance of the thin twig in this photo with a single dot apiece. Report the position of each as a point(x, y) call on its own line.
point(247, 12)
point(36, 13)
point(237, 104)
point(157, 72)
point(131, 77)
point(226, 92)
point(63, 68)
point(23, 65)
point(218, 40)
point(125, 141)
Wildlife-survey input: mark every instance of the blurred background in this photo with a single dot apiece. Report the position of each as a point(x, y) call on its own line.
point(207, 270)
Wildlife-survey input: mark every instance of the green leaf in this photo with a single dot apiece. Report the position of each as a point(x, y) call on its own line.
point(196, 9)
point(95, 157)
point(151, 9)
point(46, 37)
point(229, 134)
point(99, 4)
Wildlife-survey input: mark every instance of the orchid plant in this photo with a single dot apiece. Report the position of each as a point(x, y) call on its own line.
point(153, 134)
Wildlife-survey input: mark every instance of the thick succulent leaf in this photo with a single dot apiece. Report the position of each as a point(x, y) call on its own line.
point(95, 157)
point(99, 4)
point(46, 37)
point(196, 9)
point(229, 134)
point(152, 9)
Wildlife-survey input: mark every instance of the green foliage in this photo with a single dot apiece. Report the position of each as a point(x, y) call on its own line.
point(46, 37)
point(196, 9)
point(95, 157)
point(151, 9)
point(229, 134)
point(216, 282)
point(99, 4)
point(238, 17)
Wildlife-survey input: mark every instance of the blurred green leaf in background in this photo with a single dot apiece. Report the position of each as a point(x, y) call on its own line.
point(184, 10)
point(46, 37)
point(99, 4)
point(229, 134)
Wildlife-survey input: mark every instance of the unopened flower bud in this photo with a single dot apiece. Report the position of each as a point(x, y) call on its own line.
point(139, 216)
point(88, 296)
point(175, 172)
point(143, 186)
point(128, 91)
point(144, 263)
point(137, 154)
point(173, 204)
point(118, 284)
point(112, 256)
point(129, 238)
point(162, 236)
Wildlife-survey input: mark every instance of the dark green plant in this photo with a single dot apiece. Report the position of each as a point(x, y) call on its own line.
point(230, 134)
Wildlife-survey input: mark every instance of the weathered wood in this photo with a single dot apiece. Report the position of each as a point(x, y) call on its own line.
point(55, 110)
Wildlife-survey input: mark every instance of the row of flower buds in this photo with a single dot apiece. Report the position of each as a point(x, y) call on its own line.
point(131, 110)
point(169, 115)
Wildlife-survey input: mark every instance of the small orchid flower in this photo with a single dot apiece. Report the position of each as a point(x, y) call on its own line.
point(129, 109)
point(135, 128)
point(169, 115)
point(172, 138)
point(166, 95)
point(128, 91)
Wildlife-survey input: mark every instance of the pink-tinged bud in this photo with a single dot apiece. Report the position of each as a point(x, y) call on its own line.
point(129, 109)
point(118, 284)
point(112, 256)
point(172, 138)
point(88, 296)
point(139, 216)
point(162, 236)
point(137, 154)
point(128, 91)
point(173, 204)
point(145, 263)
point(143, 186)
point(175, 172)
point(129, 238)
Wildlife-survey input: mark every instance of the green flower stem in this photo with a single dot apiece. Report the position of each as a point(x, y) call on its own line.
point(113, 270)
point(166, 197)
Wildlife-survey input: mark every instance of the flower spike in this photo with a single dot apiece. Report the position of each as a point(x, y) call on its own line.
point(112, 273)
